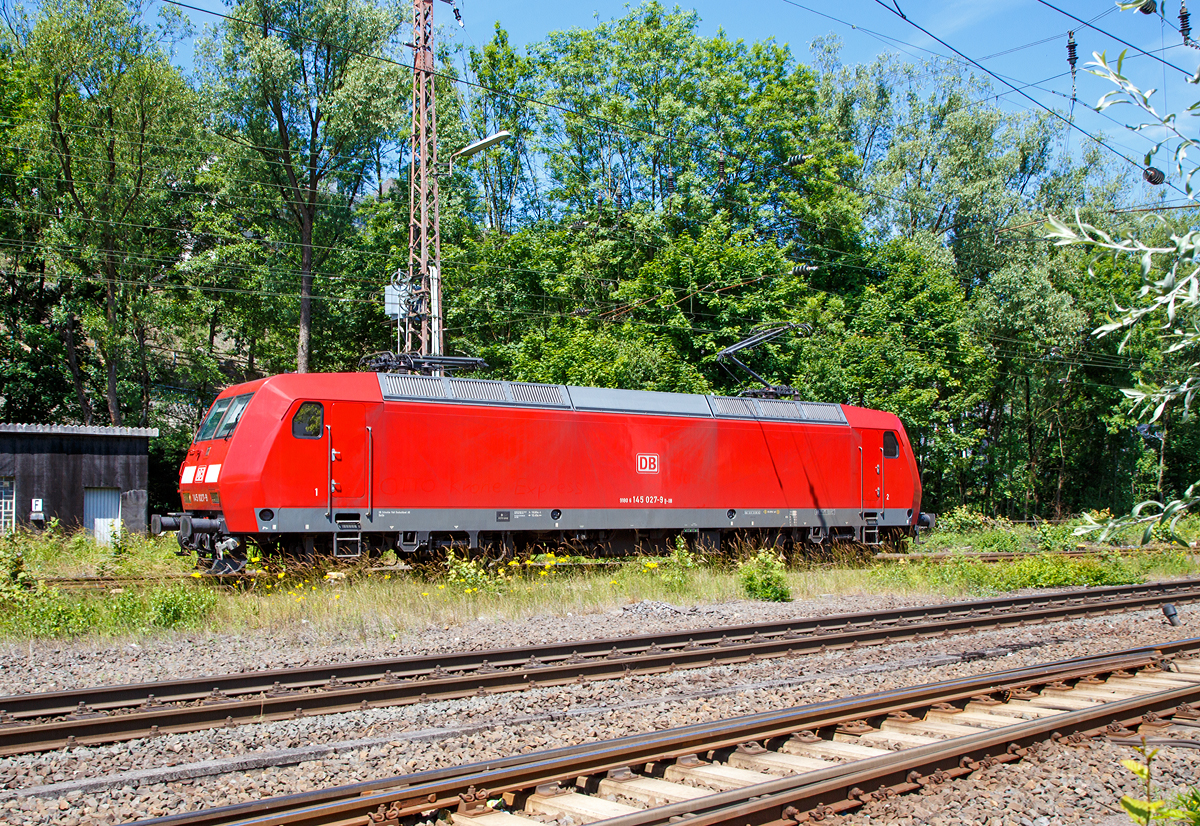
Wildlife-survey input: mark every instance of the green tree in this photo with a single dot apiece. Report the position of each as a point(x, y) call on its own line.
point(509, 84)
point(112, 118)
point(307, 91)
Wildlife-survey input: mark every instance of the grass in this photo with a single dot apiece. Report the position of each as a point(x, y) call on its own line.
point(55, 553)
point(382, 604)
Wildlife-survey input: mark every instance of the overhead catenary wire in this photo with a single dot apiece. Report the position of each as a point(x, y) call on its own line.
point(1023, 94)
point(1122, 41)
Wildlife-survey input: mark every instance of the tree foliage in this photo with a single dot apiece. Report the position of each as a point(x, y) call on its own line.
point(664, 194)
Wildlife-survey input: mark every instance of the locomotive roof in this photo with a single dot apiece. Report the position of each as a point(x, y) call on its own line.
point(406, 387)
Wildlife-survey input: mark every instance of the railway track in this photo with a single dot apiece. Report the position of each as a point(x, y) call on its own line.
point(41, 722)
point(984, 556)
point(107, 583)
point(778, 768)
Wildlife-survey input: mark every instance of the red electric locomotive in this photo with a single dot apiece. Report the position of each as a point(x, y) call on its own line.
point(353, 462)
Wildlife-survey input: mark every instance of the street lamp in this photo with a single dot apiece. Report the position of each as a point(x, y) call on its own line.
point(480, 145)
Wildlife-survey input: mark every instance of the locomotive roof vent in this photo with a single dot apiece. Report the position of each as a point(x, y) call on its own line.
point(776, 409)
point(733, 406)
point(480, 390)
point(822, 412)
point(545, 394)
point(402, 385)
point(397, 386)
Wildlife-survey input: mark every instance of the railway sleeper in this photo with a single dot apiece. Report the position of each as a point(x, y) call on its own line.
point(979, 731)
point(689, 778)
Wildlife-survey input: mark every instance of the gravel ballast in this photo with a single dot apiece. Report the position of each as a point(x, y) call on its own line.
point(175, 773)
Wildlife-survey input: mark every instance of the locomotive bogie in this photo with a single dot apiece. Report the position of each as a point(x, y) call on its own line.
point(348, 464)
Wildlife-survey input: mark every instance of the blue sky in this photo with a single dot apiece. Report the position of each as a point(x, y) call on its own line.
point(990, 31)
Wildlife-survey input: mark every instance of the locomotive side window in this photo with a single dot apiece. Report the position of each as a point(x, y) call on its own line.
point(232, 416)
point(213, 419)
point(309, 421)
point(891, 445)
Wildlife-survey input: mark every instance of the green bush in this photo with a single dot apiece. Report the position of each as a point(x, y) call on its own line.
point(960, 573)
point(961, 520)
point(472, 575)
point(1064, 572)
point(1055, 539)
point(49, 613)
point(763, 576)
point(179, 605)
point(997, 541)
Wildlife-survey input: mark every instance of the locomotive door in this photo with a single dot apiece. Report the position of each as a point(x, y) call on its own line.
point(872, 474)
point(348, 454)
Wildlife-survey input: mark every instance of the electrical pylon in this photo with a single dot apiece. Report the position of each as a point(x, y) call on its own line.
point(424, 235)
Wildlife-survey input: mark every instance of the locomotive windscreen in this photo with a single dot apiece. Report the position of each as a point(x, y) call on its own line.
point(223, 418)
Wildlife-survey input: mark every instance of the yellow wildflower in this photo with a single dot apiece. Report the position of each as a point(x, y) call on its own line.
point(387, 576)
point(424, 593)
point(280, 575)
point(545, 573)
point(197, 574)
point(441, 587)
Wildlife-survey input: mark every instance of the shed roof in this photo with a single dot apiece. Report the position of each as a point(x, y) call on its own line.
point(78, 430)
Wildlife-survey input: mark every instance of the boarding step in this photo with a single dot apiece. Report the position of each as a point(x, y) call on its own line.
point(347, 545)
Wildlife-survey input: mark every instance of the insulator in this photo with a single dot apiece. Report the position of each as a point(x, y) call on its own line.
point(796, 160)
point(1072, 57)
point(1154, 176)
point(1148, 7)
point(721, 168)
point(670, 184)
point(1185, 23)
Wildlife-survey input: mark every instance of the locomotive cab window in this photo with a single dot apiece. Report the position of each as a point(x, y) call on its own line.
point(891, 445)
point(309, 421)
point(213, 419)
point(232, 416)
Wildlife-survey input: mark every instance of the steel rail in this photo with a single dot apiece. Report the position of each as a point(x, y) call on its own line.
point(24, 706)
point(95, 583)
point(86, 726)
point(410, 795)
point(828, 791)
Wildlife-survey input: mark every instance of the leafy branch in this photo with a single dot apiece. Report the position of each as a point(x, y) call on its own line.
point(1168, 297)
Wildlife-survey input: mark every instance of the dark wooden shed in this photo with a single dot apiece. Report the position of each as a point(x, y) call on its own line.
point(92, 477)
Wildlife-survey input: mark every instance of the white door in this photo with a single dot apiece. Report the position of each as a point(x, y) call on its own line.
point(102, 513)
point(8, 505)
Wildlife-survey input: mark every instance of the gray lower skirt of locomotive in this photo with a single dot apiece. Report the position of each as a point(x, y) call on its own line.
point(414, 526)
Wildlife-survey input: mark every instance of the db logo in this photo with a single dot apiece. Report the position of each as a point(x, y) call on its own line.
point(647, 463)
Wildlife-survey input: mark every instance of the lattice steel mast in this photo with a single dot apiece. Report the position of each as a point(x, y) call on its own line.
point(424, 236)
